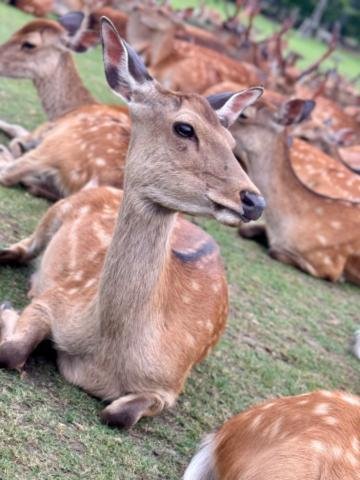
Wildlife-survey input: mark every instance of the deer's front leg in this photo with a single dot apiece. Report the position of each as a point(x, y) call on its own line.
point(12, 130)
point(5, 156)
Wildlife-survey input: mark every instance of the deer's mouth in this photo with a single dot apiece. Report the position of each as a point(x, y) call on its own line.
point(228, 214)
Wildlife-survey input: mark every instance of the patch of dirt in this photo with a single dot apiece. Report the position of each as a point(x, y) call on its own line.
point(9, 228)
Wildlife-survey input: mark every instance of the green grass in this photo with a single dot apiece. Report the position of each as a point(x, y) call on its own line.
point(287, 333)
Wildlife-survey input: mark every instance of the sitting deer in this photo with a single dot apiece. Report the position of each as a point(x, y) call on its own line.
point(84, 143)
point(312, 218)
point(312, 436)
point(133, 312)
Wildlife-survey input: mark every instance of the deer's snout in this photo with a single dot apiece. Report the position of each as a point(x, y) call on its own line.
point(253, 204)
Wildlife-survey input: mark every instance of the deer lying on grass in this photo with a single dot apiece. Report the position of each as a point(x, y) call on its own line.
point(39, 8)
point(313, 436)
point(177, 64)
point(133, 312)
point(84, 143)
point(312, 218)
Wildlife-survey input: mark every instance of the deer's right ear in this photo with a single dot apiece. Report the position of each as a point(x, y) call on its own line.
point(124, 69)
point(294, 111)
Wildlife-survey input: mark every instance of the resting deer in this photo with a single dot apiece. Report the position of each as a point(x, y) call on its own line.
point(39, 8)
point(312, 218)
point(179, 64)
point(84, 143)
point(315, 436)
point(133, 312)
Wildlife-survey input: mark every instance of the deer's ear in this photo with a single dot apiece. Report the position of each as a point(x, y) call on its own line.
point(229, 106)
point(72, 22)
point(124, 69)
point(294, 111)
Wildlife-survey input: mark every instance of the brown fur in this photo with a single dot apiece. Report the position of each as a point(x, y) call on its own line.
point(39, 8)
point(180, 65)
point(84, 144)
point(131, 308)
point(308, 437)
point(315, 233)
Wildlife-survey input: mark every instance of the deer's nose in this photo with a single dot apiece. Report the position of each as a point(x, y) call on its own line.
point(253, 204)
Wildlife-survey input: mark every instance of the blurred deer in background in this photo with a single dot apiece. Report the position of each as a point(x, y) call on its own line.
point(312, 218)
point(84, 143)
point(312, 436)
point(177, 64)
point(133, 313)
point(39, 8)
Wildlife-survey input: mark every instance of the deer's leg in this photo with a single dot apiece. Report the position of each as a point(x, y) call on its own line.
point(126, 411)
point(352, 273)
point(32, 246)
point(20, 334)
point(12, 130)
point(5, 157)
point(255, 232)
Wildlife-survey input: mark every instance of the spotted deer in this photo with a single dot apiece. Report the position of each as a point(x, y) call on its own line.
point(313, 201)
point(133, 312)
point(180, 65)
point(83, 143)
point(312, 436)
point(39, 8)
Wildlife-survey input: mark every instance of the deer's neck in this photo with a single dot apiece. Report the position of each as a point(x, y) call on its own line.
point(135, 267)
point(63, 90)
point(271, 171)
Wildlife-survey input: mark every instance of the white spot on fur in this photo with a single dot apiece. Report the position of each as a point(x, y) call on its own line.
point(195, 285)
point(318, 446)
point(321, 409)
point(100, 162)
point(331, 420)
point(350, 457)
point(350, 399)
point(336, 451)
point(321, 239)
point(335, 225)
point(256, 422)
point(185, 299)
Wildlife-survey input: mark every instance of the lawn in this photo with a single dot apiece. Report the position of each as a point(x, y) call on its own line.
point(287, 333)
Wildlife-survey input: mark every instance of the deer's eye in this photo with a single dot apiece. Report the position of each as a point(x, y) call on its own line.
point(28, 46)
point(184, 130)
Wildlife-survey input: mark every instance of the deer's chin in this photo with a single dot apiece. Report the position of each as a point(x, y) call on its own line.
point(227, 216)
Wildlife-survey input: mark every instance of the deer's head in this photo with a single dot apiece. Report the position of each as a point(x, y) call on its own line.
point(35, 50)
point(181, 152)
point(258, 130)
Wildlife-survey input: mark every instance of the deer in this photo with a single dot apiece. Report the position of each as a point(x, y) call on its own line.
point(180, 65)
point(310, 436)
point(133, 313)
point(313, 202)
point(39, 8)
point(93, 137)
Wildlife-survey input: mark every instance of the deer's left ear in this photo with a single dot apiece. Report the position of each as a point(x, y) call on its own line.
point(229, 106)
point(125, 71)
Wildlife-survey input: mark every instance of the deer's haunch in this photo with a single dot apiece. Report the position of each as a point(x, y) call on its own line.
point(312, 436)
point(126, 300)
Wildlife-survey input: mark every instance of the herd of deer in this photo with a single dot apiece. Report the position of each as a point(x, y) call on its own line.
point(122, 287)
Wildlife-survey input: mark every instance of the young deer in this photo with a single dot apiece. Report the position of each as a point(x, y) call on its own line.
point(84, 143)
point(312, 218)
point(315, 436)
point(133, 312)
